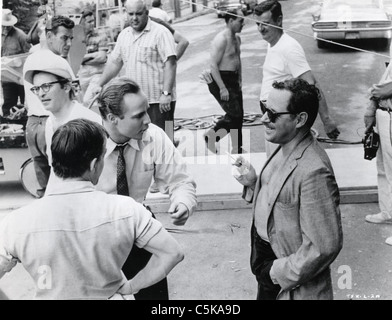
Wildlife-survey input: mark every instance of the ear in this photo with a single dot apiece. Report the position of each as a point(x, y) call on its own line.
point(49, 35)
point(301, 119)
point(279, 21)
point(112, 118)
point(67, 87)
point(93, 164)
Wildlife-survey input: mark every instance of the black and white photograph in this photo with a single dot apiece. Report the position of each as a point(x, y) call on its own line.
point(209, 151)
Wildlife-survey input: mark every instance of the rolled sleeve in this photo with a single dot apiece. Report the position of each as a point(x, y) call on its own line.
point(146, 226)
point(166, 45)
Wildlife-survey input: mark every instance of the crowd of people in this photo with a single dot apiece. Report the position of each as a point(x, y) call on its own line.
point(95, 166)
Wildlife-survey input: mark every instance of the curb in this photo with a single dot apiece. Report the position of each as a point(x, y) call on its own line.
point(213, 202)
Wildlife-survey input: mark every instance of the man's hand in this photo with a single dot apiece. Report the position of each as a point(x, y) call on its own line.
point(381, 91)
point(164, 103)
point(205, 76)
point(179, 213)
point(224, 94)
point(370, 122)
point(331, 129)
point(244, 172)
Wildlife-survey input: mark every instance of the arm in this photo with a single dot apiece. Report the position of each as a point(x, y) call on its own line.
point(182, 44)
point(166, 254)
point(171, 175)
point(169, 77)
point(217, 52)
point(94, 58)
point(329, 125)
point(111, 70)
point(321, 230)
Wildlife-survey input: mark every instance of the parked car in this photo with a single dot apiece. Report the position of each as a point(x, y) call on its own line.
point(352, 19)
point(246, 6)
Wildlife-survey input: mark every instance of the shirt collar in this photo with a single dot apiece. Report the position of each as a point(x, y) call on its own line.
point(58, 186)
point(133, 143)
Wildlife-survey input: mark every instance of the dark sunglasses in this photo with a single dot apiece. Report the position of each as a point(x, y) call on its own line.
point(272, 115)
point(45, 87)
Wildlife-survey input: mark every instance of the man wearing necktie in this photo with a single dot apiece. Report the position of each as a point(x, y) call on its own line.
point(137, 152)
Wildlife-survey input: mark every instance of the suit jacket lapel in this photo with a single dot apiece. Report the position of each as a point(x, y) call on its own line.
point(288, 167)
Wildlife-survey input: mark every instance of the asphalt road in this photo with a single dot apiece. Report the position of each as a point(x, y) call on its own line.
point(344, 74)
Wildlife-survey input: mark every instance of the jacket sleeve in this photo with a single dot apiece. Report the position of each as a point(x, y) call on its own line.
point(320, 223)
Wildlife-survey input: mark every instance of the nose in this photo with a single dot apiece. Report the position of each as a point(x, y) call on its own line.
point(264, 118)
point(146, 119)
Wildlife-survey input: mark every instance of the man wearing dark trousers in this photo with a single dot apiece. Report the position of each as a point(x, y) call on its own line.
point(296, 232)
point(137, 152)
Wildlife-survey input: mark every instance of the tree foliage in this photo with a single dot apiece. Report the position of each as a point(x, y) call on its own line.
point(24, 10)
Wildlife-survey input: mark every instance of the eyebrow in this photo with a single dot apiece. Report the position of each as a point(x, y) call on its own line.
point(139, 115)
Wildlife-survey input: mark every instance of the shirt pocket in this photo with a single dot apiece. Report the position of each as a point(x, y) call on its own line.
point(145, 176)
point(147, 54)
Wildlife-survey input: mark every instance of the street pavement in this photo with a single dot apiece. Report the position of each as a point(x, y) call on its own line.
point(216, 264)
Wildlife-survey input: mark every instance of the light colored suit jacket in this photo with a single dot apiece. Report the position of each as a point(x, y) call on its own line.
point(304, 223)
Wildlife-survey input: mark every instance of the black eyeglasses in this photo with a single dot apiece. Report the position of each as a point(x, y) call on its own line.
point(272, 115)
point(45, 87)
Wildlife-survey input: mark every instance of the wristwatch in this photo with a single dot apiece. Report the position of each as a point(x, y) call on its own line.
point(166, 93)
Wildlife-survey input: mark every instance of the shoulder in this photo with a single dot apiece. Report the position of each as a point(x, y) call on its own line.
point(315, 158)
point(83, 112)
point(290, 41)
point(220, 39)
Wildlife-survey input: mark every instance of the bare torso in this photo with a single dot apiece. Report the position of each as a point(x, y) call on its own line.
point(230, 44)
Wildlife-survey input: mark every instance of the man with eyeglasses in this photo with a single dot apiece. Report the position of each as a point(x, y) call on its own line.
point(52, 84)
point(296, 232)
point(59, 35)
point(285, 59)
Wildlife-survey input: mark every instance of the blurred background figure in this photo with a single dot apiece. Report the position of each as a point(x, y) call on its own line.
point(157, 12)
point(13, 42)
point(95, 58)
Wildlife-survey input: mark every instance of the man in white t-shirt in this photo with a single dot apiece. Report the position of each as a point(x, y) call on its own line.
point(157, 12)
point(285, 59)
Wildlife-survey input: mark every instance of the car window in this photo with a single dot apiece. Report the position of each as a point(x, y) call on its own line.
point(354, 3)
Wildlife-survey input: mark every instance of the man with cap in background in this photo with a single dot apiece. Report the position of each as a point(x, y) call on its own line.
point(52, 84)
point(59, 35)
point(13, 41)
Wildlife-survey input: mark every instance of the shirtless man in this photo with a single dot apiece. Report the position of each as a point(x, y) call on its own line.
point(225, 84)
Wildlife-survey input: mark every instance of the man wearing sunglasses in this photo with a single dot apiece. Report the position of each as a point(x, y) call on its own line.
point(296, 232)
point(285, 59)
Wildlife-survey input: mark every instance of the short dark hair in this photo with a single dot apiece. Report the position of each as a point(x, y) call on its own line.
point(87, 13)
point(112, 95)
point(59, 21)
point(305, 97)
point(231, 14)
point(269, 5)
point(74, 145)
point(156, 3)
